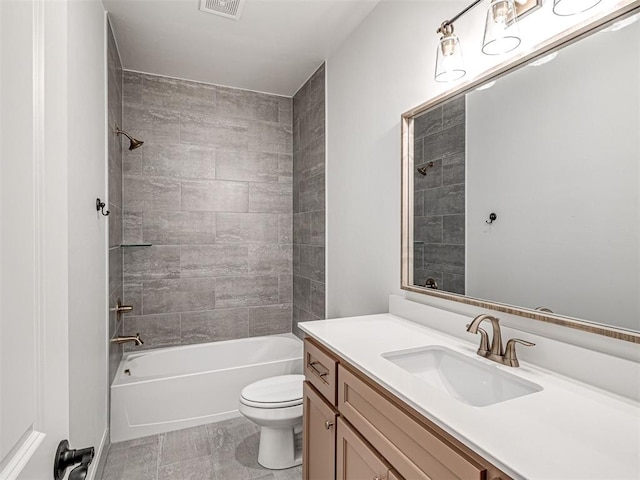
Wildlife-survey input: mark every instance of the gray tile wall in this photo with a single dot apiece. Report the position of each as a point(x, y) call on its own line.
point(439, 202)
point(309, 200)
point(211, 189)
point(114, 103)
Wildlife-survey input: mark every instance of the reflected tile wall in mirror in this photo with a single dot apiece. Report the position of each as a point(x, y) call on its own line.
point(439, 197)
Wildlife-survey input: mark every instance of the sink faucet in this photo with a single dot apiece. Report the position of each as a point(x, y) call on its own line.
point(135, 339)
point(494, 350)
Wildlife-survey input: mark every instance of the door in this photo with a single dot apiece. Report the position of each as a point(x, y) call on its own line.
point(319, 437)
point(34, 406)
point(355, 458)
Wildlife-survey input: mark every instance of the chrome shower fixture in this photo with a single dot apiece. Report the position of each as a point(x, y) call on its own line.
point(133, 142)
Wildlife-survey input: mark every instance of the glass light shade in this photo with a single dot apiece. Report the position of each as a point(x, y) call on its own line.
point(501, 33)
point(565, 8)
point(449, 62)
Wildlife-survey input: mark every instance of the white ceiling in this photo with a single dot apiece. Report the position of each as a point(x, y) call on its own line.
point(274, 46)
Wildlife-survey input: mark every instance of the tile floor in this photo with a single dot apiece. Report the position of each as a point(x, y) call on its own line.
point(222, 451)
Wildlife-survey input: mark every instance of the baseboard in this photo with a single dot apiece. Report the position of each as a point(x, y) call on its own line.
point(100, 458)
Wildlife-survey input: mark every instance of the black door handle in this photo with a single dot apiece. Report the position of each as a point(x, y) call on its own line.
point(66, 457)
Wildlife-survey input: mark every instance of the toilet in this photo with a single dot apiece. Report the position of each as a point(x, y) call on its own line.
point(275, 405)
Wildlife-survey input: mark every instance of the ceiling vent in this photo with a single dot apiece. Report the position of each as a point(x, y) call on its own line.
point(224, 8)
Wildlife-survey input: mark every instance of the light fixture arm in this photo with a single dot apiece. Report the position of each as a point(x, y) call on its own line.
point(456, 17)
point(500, 36)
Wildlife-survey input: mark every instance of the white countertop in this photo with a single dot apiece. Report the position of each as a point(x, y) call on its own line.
point(569, 430)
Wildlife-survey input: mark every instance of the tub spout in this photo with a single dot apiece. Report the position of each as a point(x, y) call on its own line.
point(135, 339)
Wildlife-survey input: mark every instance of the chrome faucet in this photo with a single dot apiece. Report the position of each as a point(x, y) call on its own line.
point(136, 339)
point(493, 351)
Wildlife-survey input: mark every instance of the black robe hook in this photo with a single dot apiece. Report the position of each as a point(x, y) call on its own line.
point(100, 207)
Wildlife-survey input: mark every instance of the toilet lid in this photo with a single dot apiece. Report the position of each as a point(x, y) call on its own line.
point(274, 392)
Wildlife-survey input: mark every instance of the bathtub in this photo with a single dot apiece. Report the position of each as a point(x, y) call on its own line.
point(178, 387)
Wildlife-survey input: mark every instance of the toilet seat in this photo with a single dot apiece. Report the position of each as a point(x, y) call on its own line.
point(275, 392)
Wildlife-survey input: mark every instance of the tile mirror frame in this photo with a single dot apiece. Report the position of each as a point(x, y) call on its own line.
point(407, 205)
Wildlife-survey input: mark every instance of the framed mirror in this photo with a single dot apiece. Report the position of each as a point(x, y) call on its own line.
point(521, 191)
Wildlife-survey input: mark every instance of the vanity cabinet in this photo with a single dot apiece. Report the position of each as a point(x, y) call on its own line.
point(355, 429)
point(356, 459)
point(321, 371)
point(319, 438)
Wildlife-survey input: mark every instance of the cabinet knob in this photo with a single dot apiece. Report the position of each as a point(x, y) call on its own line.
point(328, 424)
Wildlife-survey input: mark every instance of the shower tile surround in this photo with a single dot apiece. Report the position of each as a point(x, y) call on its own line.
point(309, 200)
point(212, 190)
point(439, 197)
point(114, 146)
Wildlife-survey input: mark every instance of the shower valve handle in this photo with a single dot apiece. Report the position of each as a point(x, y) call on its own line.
point(123, 308)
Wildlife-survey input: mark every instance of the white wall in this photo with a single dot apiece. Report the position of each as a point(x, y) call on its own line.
point(383, 69)
point(564, 186)
point(87, 228)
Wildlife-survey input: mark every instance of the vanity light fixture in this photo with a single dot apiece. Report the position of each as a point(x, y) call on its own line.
point(565, 8)
point(501, 33)
point(449, 62)
point(500, 36)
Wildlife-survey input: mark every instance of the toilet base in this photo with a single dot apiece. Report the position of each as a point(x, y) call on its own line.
point(280, 448)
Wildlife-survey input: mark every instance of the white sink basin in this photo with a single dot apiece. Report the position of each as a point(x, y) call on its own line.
point(467, 379)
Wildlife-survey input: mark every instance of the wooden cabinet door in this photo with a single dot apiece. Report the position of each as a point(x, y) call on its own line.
point(319, 437)
point(355, 458)
point(393, 475)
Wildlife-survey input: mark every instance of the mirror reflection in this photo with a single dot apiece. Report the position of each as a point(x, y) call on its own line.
point(526, 193)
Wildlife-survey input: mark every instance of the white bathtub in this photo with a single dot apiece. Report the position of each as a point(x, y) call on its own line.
point(178, 387)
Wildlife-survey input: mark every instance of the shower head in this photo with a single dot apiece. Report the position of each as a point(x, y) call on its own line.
point(133, 142)
point(423, 170)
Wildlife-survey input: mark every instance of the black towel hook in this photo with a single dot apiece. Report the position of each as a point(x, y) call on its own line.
point(492, 218)
point(100, 207)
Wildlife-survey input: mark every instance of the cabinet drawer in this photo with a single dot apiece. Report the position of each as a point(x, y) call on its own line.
point(416, 450)
point(319, 437)
point(321, 370)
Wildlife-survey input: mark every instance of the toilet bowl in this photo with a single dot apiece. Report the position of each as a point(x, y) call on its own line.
point(275, 405)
